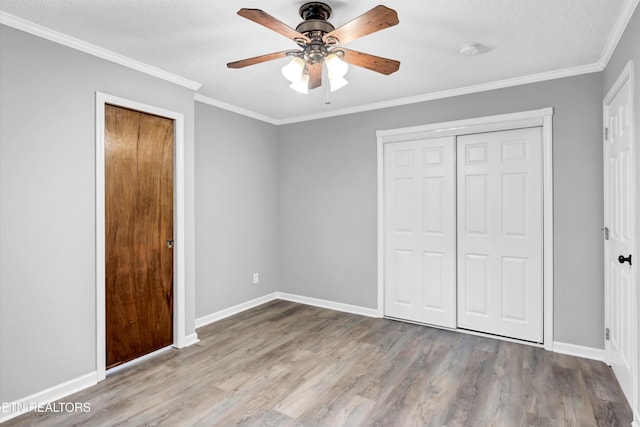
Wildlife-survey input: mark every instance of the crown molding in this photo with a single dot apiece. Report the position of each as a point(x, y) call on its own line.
point(500, 84)
point(235, 109)
point(74, 43)
point(618, 30)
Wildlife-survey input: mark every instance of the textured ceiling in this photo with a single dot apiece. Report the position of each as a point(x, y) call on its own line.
point(195, 39)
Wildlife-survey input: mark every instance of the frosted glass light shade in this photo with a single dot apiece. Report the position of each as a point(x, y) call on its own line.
point(302, 85)
point(337, 82)
point(293, 70)
point(336, 67)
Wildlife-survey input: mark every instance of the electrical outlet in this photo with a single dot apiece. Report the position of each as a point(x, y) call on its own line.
point(256, 278)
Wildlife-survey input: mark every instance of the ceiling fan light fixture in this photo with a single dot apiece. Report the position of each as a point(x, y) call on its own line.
point(336, 67)
point(336, 83)
point(294, 70)
point(301, 85)
point(320, 42)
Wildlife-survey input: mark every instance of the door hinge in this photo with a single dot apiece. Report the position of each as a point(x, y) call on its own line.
point(606, 134)
point(170, 244)
point(606, 333)
point(606, 233)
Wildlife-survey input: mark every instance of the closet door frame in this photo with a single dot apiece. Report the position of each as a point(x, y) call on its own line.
point(543, 118)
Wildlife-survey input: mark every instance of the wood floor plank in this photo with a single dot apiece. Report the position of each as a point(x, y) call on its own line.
point(506, 388)
point(345, 388)
point(470, 392)
point(286, 364)
point(423, 403)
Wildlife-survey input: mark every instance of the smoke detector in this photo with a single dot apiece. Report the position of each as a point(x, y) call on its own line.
point(469, 49)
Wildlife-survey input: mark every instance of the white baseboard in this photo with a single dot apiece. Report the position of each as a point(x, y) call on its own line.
point(219, 315)
point(57, 392)
point(579, 351)
point(191, 339)
point(331, 305)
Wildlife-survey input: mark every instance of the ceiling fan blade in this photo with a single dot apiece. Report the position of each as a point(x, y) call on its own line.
point(371, 62)
point(315, 75)
point(260, 17)
point(258, 59)
point(378, 18)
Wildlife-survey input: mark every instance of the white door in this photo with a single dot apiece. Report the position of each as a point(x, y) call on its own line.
point(500, 233)
point(419, 231)
point(620, 221)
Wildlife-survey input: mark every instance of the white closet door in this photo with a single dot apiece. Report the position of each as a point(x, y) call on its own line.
point(500, 233)
point(419, 224)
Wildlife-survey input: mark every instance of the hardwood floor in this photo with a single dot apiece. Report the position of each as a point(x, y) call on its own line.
point(287, 364)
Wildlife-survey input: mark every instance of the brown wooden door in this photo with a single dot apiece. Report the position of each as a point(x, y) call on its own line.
point(138, 223)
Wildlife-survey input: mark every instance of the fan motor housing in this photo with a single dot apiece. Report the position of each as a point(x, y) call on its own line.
point(313, 26)
point(315, 15)
point(315, 10)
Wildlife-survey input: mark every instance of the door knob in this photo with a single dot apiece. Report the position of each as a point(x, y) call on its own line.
point(622, 259)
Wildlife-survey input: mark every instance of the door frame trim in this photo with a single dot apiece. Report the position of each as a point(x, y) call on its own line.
point(627, 74)
point(179, 264)
point(542, 117)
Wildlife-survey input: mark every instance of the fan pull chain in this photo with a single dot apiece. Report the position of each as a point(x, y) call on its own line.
point(327, 92)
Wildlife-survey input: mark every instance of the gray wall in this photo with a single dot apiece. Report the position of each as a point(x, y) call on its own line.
point(328, 200)
point(629, 49)
point(236, 208)
point(47, 205)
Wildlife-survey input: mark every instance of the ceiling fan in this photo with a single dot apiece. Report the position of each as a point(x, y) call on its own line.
point(320, 42)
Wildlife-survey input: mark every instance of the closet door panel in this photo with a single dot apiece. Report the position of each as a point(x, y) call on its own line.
point(419, 224)
point(499, 233)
